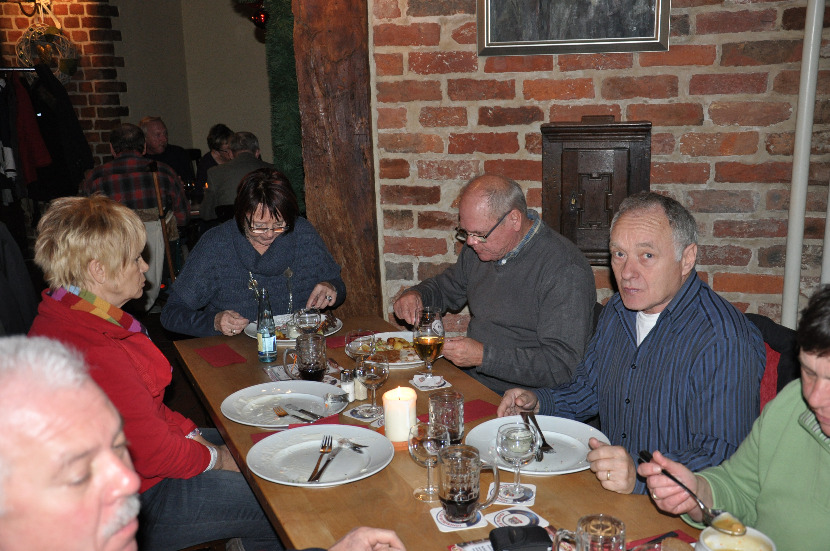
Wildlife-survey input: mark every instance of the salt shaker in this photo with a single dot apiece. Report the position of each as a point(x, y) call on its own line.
point(347, 384)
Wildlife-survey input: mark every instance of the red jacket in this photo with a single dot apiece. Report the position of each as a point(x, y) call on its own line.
point(134, 374)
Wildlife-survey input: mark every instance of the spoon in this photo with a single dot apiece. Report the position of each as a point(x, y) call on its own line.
point(720, 520)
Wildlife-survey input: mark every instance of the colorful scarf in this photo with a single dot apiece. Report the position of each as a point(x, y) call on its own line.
point(81, 299)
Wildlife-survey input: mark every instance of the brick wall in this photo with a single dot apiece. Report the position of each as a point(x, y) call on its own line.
point(95, 89)
point(722, 103)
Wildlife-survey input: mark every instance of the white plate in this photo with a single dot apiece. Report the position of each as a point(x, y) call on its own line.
point(569, 440)
point(399, 334)
point(288, 457)
point(250, 329)
point(255, 405)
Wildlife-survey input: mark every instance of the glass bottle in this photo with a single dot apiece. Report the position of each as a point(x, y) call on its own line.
point(266, 330)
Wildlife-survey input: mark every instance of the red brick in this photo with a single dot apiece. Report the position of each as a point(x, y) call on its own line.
point(744, 283)
point(558, 89)
point(718, 144)
point(736, 21)
point(73, 23)
point(408, 90)
point(821, 112)
point(509, 116)
point(771, 172)
point(78, 9)
point(658, 86)
point(386, 9)
point(679, 25)
point(448, 170)
point(437, 220)
point(679, 173)
point(749, 113)
point(411, 143)
point(489, 142)
point(517, 169)
point(794, 19)
point(773, 257)
point(394, 169)
point(388, 64)
point(695, 3)
point(820, 143)
point(679, 55)
point(414, 246)
point(468, 89)
point(779, 199)
point(79, 36)
point(673, 114)
point(729, 83)
point(94, 22)
point(392, 117)
point(762, 52)
point(443, 116)
point(727, 255)
point(409, 195)
point(533, 143)
point(574, 113)
point(662, 143)
point(416, 34)
point(398, 219)
point(518, 64)
point(534, 198)
point(429, 63)
point(465, 34)
point(600, 62)
point(714, 200)
point(426, 8)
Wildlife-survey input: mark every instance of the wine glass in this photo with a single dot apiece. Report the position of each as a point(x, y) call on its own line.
point(360, 344)
point(372, 372)
point(425, 440)
point(308, 320)
point(517, 443)
point(428, 337)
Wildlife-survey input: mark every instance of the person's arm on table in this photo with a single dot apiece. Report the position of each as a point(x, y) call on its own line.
point(408, 305)
point(180, 317)
point(667, 495)
point(369, 539)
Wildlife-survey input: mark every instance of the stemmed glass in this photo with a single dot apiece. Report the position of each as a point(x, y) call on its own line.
point(308, 320)
point(372, 372)
point(428, 337)
point(425, 440)
point(360, 344)
point(517, 443)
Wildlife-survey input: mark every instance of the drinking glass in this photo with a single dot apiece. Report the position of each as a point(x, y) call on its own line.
point(517, 443)
point(308, 320)
point(360, 344)
point(425, 441)
point(428, 337)
point(372, 372)
point(446, 407)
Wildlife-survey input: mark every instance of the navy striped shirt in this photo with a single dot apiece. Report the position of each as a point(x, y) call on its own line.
point(690, 390)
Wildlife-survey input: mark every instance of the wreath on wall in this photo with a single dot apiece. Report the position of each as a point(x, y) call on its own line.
point(46, 44)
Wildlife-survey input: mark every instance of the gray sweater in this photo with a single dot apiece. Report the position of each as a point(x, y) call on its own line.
point(533, 314)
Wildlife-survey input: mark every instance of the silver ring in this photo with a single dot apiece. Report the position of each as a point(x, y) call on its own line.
point(654, 496)
point(329, 298)
point(607, 475)
point(233, 331)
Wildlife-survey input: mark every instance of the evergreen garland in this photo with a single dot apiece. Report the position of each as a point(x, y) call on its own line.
point(286, 133)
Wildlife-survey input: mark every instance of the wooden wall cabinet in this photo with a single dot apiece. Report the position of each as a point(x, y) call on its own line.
point(588, 168)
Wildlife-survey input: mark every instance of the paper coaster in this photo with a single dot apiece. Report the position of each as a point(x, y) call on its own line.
point(417, 382)
point(527, 500)
point(353, 413)
point(446, 525)
point(378, 423)
point(515, 516)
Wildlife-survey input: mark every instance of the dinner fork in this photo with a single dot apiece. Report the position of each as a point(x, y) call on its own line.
point(325, 448)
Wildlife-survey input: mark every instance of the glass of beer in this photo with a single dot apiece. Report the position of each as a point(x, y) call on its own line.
point(428, 337)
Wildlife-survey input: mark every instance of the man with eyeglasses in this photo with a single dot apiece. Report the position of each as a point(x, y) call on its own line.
point(223, 180)
point(530, 292)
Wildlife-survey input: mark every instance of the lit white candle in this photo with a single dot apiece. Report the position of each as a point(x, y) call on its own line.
point(399, 413)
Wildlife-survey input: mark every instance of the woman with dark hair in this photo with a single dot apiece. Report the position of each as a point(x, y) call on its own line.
point(266, 240)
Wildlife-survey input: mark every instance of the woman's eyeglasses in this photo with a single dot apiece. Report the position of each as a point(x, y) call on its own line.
point(261, 230)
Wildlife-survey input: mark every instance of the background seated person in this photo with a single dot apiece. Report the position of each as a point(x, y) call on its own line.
point(89, 249)
point(530, 292)
point(777, 481)
point(219, 153)
point(267, 240)
point(671, 366)
point(159, 149)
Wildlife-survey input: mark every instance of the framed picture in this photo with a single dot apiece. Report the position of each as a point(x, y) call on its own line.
point(527, 27)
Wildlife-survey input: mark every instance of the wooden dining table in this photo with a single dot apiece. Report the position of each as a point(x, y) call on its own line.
point(317, 517)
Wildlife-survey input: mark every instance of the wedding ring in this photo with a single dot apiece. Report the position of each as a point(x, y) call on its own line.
point(233, 331)
point(328, 298)
point(654, 496)
point(607, 475)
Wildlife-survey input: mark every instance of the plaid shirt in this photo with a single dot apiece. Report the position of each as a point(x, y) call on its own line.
point(127, 180)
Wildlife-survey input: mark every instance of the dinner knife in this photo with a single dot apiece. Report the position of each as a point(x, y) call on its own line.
point(298, 414)
point(315, 416)
point(325, 466)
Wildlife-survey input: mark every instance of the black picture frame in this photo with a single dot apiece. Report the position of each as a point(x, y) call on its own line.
point(528, 27)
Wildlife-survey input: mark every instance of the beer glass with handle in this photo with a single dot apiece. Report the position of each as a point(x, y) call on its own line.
point(428, 337)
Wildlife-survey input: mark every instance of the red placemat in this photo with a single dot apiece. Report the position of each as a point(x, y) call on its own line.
point(330, 420)
point(220, 355)
point(335, 342)
point(473, 410)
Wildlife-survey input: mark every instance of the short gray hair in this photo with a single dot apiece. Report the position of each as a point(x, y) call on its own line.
point(244, 141)
point(47, 364)
point(502, 194)
point(681, 221)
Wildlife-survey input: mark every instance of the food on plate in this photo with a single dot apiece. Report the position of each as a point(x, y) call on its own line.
point(397, 343)
point(396, 350)
point(674, 544)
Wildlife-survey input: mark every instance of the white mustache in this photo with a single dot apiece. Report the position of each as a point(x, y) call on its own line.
point(126, 513)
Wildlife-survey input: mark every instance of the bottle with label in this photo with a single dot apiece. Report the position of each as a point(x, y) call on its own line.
point(266, 330)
